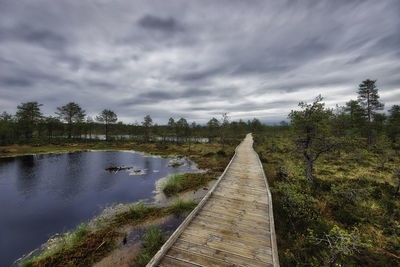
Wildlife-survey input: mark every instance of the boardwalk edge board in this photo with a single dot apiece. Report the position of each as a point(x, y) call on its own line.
point(156, 259)
point(275, 256)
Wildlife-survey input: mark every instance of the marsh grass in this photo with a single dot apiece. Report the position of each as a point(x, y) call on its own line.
point(180, 207)
point(79, 248)
point(178, 183)
point(173, 185)
point(153, 240)
point(137, 213)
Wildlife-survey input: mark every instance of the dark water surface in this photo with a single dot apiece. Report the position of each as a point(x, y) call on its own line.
point(42, 195)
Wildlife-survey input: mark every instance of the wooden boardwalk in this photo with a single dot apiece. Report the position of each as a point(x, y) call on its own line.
point(233, 225)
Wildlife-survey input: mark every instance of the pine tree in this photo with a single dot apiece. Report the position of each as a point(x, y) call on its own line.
point(71, 113)
point(368, 98)
point(312, 128)
point(108, 117)
point(28, 115)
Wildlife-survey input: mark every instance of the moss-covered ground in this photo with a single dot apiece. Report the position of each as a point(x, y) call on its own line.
point(351, 190)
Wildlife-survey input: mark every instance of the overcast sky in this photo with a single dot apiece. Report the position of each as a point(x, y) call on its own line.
point(196, 59)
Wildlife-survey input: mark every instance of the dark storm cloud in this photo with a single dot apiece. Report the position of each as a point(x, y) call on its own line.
point(196, 59)
point(15, 82)
point(160, 96)
point(36, 36)
point(194, 76)
point(152, 22)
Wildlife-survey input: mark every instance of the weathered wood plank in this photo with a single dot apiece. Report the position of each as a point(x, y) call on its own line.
point(233, 186)
point(234, 221)
point(260, 253)
point(169, 261)
point(245, 187)
point(235, 212)
point(242, 196)
point(245, 221)
point(196, 258)
point(254, 204)
point(219, 254)
point(200, 222)
point(260, 238)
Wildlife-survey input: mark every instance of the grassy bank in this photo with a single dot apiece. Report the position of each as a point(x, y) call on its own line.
point(85, 246)
point(350, 214)
point(179, 183)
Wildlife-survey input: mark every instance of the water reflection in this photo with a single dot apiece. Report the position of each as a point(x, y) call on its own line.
point(42, 195)
point(27, 176)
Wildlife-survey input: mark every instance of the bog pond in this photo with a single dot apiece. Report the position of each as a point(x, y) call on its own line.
point(41, 195)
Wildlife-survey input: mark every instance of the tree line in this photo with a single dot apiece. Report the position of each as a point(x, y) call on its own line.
point(70, 122)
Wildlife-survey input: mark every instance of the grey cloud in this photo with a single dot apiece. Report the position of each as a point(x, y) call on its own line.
point(160, 96)
point(15, 82)
point(152, 22)
point(195, 93)
point(157, 95)
point(37, 36)
point(194, 76)
point(104, 66)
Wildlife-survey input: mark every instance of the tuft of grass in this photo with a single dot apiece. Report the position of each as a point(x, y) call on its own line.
point(88, 250)
point(178, 183)
point(173, 185)
point(152, 241)
point(137, 212)
point(81, 231)
point(179, 206)
point(27, 263)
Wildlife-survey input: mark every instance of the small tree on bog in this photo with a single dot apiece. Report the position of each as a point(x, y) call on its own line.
point(312, 130)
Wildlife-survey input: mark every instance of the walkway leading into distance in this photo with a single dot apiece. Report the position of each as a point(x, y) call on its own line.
point(233, 225)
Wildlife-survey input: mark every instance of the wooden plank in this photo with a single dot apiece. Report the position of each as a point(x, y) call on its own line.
point(239, 202)
point(230, 227)
point(244, 193)
point(196, 258)
point(242, 197)
point(241, 214)
point(171, 262)
point(240, 220)
point(229, 209)
point(232, 186)
point(234, 221)
point(257, 253)
point(260, 239)
point(219, 254)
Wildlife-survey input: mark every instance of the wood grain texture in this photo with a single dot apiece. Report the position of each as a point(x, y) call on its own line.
point(233, 225)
